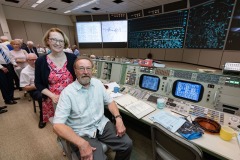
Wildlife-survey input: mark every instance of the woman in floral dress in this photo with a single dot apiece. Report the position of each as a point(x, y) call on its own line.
point(53, 72)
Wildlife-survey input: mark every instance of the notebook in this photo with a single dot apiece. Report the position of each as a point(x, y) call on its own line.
point(135, 106)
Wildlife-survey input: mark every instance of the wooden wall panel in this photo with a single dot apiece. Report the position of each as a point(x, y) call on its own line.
point(1, 31)
point(121, 52)
point(109, 52)
point(211, 58)
point(46, 27)
point(72, 37)
point(143, 52)
point(34, 32)
point(132, 53)
point(174, 55)
point(230, 56)
point(158, 54)
point(97, 52)
point(191, 55)
point(17, 29)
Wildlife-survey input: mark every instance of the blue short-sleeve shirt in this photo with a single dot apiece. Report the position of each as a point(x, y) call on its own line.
point(82, 109)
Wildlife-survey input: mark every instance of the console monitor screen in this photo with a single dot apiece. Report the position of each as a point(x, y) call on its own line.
point(149, 82)
point(89, 32)
point(190, 91)
point(114, 31)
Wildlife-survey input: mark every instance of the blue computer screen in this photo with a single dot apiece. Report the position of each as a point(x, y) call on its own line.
point(149, 82)
point(188, 90)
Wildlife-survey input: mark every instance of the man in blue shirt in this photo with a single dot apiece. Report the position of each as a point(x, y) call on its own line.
point(79, 117)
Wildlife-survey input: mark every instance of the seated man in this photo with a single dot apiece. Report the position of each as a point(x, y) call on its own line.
point(27, 83)
point(79, 117)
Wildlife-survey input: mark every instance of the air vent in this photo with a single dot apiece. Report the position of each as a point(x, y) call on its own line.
point(118, 1)
point(67, 1)
point(52, 8)
point(13, 1)
point(87, 12)
point(95, 8)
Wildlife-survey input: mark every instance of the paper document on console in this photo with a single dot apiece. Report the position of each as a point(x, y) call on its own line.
point(167, 120)
point(135, 106)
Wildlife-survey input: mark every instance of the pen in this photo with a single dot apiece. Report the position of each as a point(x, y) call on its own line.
point(178, 113)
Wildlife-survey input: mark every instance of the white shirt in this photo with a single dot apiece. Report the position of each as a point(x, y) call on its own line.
point(2, 61)
point(27, 76)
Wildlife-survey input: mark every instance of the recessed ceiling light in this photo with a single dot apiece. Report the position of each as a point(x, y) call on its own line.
point(95, 8)
point(52, 8)
point(118, 1)
point(13, 1)
point(67, 1)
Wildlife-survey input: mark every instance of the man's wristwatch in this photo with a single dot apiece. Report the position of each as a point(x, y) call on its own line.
point(118, 116)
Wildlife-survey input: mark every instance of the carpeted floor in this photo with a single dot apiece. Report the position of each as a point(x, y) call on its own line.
point(21, 139)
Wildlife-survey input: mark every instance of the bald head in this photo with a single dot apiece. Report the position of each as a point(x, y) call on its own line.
point(31, 58)
point(4, 38)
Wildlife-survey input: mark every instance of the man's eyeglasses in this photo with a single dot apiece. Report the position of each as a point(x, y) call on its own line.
point(54, 40)
point(82, 69)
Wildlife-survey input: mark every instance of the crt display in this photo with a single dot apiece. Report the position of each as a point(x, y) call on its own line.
point(149, 82)
point(187, 90)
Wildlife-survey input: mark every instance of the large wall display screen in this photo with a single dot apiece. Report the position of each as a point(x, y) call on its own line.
point(89, 32)
point(208, 24)
point(114, 31)
point(233, 40)
point(159, 31)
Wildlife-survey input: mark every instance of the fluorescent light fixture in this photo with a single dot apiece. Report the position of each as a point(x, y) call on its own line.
point(83, 5)
point(34, 5)
point(67, 11)
point(39, 1)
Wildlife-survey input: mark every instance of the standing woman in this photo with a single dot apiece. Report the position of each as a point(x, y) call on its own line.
point(54, 71)
point(20, 57)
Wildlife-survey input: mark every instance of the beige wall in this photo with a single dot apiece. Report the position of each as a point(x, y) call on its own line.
point(35, 31)
point(36, 16)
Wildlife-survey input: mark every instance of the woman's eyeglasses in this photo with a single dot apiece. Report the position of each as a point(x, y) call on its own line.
point(55, 41)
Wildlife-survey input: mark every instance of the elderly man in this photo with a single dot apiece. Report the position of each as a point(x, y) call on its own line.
point(27, 83)
point(6, 77)
point(5, 44)
point(79, 117)
point(30, 48)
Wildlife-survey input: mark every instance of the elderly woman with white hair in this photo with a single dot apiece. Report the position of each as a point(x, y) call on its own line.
point(19, 55)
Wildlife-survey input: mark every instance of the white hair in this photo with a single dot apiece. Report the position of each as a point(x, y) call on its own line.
point(30, 42)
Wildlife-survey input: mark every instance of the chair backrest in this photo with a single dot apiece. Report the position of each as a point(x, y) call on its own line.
point(170, 146)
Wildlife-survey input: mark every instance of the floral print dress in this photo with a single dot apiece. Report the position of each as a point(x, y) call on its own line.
point(58, 79)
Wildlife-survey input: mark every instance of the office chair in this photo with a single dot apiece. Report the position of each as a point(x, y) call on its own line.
point(71, 155)
point(170, 146)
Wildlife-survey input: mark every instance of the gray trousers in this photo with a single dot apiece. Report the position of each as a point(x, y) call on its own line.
point(121, 145)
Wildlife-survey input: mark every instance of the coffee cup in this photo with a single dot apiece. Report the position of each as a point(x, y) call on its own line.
point(160, 103)
point(227, 133)
point(116, 89)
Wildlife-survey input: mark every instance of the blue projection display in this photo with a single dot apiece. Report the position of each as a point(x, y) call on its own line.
point(208, 24)
point(160, 31)
point(188, 90)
